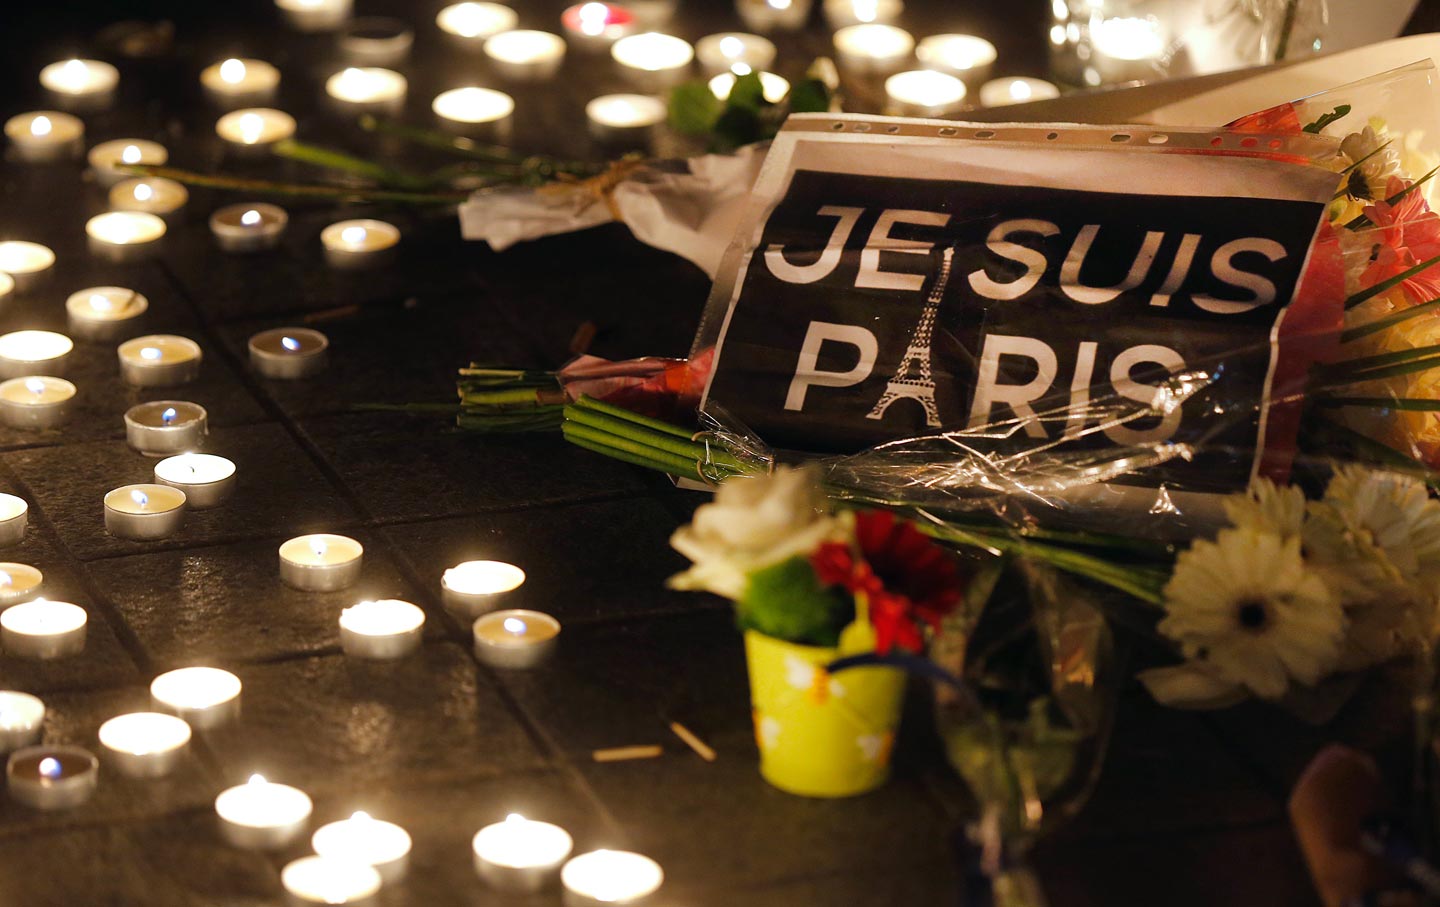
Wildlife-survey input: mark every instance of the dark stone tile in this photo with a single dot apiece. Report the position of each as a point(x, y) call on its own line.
point(931, 885)
point(582, 561)
point(331, 724)
point(404, 467)
point(226, 604)
point(279, 491)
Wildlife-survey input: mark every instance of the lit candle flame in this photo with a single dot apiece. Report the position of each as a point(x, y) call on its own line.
point(514, 625)
point(731, 47)
point(250, 218)
point(168, 415)
point(144, 192)
point(101, 303)
point(252, 127)
point(130, 154)
point(35, 386)
point(41, 126)
point(741, 69)
point(778, 4)
point(318, 547)
point(360, 816)
point(232, 71)
point(6, 579)
point(867, 10)
point(593, 18)
point(515, 819)
point(1021, 90)
point(139, 497)
point(290, 343)
point(50, 767)
point(353, 235)
point(73, 73)
point(257, 780)
point(151, 353)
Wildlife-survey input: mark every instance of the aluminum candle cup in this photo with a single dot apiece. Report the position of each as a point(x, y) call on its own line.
point(841, 13)
point(207, 480)
point(14, 518)
point(145, 744)
point(240, 82)
point(149, 195)
point(315, 15)
point(595, 26)
point(735, 52)
point(331, 881)
point(249, 227)
point(43, 630)
point(158, 360)
point(374, 842)
point(287, 353)
point(873, 49)
point(143, 513)
point(515, 639)
point(123, 236)
point(609, 877)
point(371, 89)
point(321, 563)
point(261, 815)
point(653, 60)
point(359, 243)
point(52, 777)
point(525, 55)
point(203, 697)
point(105, 157)
point(474, 110)
point(924, 93)
point(469, 24)
point(383, 629)
point(627, 119)
point(35, 402)
point(1017, 90)
point(24, 353)
point(773, 87)
point(771, 15)
point(18, 583)
point(104, 313)
point(520, 855)
point(478, 587)
point(165, 427)
point(254, 130)
point(45, 135)
point(22, 720)
point(966, 56)
point(27, 263)
point(81, 84)
point(375, 41)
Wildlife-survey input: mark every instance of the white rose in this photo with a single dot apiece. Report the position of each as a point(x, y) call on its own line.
point(753, 523)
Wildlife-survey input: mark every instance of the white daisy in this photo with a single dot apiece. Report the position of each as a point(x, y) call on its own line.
point(1246, 606)
point(1374, 528)
point(1377, 158)
point(1267, 507)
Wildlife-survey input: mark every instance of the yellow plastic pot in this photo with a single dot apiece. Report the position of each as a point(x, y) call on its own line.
point(821, 735)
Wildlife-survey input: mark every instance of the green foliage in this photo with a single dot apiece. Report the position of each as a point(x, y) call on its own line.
point(745, 117)
point(809, 96)
point(787, 602)
point(1325, 120)
point(694, 109)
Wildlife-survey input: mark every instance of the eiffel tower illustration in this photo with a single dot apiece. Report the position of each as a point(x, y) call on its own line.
point(912, 378)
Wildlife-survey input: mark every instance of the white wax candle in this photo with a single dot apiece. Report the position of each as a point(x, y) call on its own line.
point(45, 135)
point(1016, 90)
point(144, 499)
point(102, 313)
point(207, 480)
point(321, 562)
point(736, 52)
point(472, 22)
point(159, 360)
point(388, 628)
point(515, 638)
point(773, 87)
point(653, 58)
point(961, 55)
point(239, 79)
point(289, 353)
point(615, 117)
point(369, 86)
point(262, 815)
point(151, 194)
point(487, 578)
point(124, 235)
point(764, 15)
point(473, 106)
point(144, 512)
point(255, 127)
point(330, 880)
point(873, 48)
point(145, 744)
point(34, 402)
point(249, 226)
point(520, 854)
point(924, 92)
point(842, 13)
point(24, 353)
point(315, 15)
point(18, 583)
point(43, 629)
point(86, 81)
point(375, 842)
point(22, 719)
point(26, 262)
point(525, 54)
point(1127, 48)
point(204, 697)
point(358, 243)
point(106, 157)
point(594, 24)
point(611, 877)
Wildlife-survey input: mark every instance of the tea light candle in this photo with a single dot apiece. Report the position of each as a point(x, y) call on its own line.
point(165, 427)
point(7, 285)
point(368, 88)
point(652, 59)
point(376, 41)
point(240, 82)
point(525, 55)
point(610, 877)
point(203, 697)
point(330, 880)
point(159, 360)
point(89, 84)
point(842, 13)
point(124, 235)
point(25, 353)
point(207, 480)
point(262, 815)
point(1016, 90)
point(152, 195)
point(965, 56)
point(596, 25)
point(52, 777)
point(145, 744)
point(35, 402)
point(873, 48)
point(255, 129)
point(26, 262)
point(769, 15)
point(735, 52)
point(43, 630)
point(320, 563)
point(624, 117)
point(514, 638)
point(18, 583)
point(383, 629)
point(359, 243)
point(473, 107)
point(315, 15)
point(469, 24)
point(287, 353)
point(374, 842)
point(520, 854)
point(144, 512)
point(249, 226)
point(924, 93)
point(104, 313)
point(46, 135)
point(14, 518)
point(1127, 48)
point(773, 87)
point(105, 157)
point(473, 588)
point(22, 719)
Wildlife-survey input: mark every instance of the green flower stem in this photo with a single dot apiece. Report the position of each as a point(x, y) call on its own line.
point(1364, 221)
point(631, 432)
point(521, 396)
point(330, 159)
point(296, 190)
point(1392, 371)
point(1390, 283)
point(441, 141)
point(1367, 363)
point(586, 402)
point(1389, 321)
point(629, 450)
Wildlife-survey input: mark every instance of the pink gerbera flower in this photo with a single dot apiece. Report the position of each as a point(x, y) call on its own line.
point(1406, 234)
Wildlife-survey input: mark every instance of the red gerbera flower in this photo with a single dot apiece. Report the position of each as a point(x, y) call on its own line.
point(1407, 233)
point(908, 580)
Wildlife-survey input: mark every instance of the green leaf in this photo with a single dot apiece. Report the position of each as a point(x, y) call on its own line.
point(748, 93)
point(1325, 120)
point(1389, 321)
point(694, 109)
point(736, 127)
point(809, 96)
point(787, 602)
